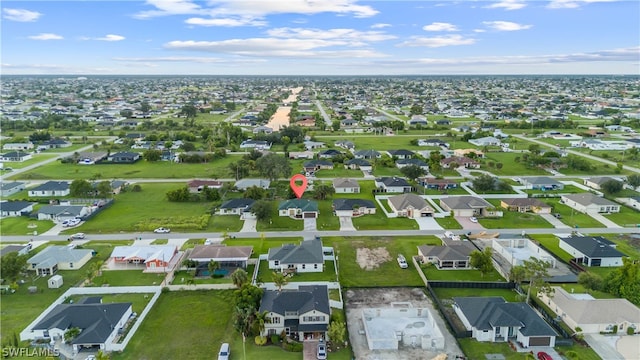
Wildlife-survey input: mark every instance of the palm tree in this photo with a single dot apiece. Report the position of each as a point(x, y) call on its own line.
point(239, 278)
point(213, 266)
point(279, 279)
point(101, 355)
point(259, 321)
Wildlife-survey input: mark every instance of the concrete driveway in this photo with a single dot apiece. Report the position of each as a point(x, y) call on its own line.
point(554, 221)
point(346, 224)
point(249, 225)
point(604, 346)
point(603, 219)
point(309, 350)
point(467, 224)
point(310, 224)
point(428, 223)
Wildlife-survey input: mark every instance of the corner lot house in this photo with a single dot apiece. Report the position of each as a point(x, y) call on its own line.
point(244, 184)
point(226, 256)
point(302, 313)
point(298, 209)
point(592, 250)
point(493, 319)
point(526, 205)
point(15, 208)
point(156, 258)
point(10, 188)
point(196, 186)
point(469, 206)
point(410, 205)
point(453, 254)
point(590, 203)
point(486, 141)
point(126, 157)
point(353, 207)
point(50, 188)
point(99, 323)
point(58, 257)
point(15, 156)
point(438, 184)
point(542, 183)
point(593, 315)
point(306, 257)
point(346, 186)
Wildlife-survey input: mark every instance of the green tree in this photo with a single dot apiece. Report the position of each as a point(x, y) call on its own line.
point(590, 280)
point(323, 191)
point(262, 209)
point(337, 331)
point(279, 279)
point(12, 265)
point(517, 274)
point(152, 155)
point(412, 171)
point(483, 183)
point(634, 180)
point(624, 281)
point(534, 149)
point(537, 273)
point(481, 260)
point(212, 267)
point(71, 333)
point(101, 355)
point(145, 107)
point(416, 109)
point(255, 193)
point(239, 277)
point(273, 166)
point(80, 188)
point(104, 189)
point(335, 125)
point(611, 186)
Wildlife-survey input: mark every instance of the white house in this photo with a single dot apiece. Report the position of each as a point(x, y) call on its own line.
point(306, 257)
point(353, 207)
point(58, 257)
point(50, 188)
point(590, 203)
point(592, 250)
point(346, 186)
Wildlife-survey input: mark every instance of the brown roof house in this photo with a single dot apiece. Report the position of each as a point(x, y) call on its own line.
point(526, 205)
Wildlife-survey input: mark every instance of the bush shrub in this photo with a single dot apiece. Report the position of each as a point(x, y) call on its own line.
point(293, 346)
point(260, 340)
point(275, 339)
point(630, 330)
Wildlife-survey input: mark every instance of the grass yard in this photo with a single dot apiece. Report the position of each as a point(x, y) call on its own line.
point(571, 217)
point(280, 223)
point(147, 210)
point(34, 160)
point(329, 274)
point(262, 245)
point(475, 350)
point(387, 171)
point(515, 220)
point(388, 273)
point(449, 223)
point(509, 166)
point(191, 243)
point(432, 273)
point(626, 217)
point(379, 221)
point(552, 243)
point(455, 191)
point(376, 142)
point(160, 242)
point(141, 169)
point(326, 219)
point(579, 289)
point(450, 293)
point(23, 225)
point(138, 300)
point(128, 278)
point(221, 223)
point(339, 172)
point(568, 189)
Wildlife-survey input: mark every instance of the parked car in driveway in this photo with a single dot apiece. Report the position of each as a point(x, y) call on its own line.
point(162, 230)
point(402, 261)
point(224, 352)
point(544, 356)
point(473, 219)
point(322, 350)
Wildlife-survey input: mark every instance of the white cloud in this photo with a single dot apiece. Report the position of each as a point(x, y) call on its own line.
point(46, 36)
point(193, 59)
point(111, 37)
point(507, 5)
point(225, 22)
point(350, 36)
point(273, 47)
point(505, 25)
point(256, 8)
point(380, 26)
point(440, 26)
point(21, 15)
point(572, 4)
point(438, 41)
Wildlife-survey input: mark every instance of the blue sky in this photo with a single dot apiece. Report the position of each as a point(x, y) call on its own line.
point(320, 37)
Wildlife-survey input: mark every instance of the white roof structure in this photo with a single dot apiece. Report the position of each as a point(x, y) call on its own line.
point(144, 252)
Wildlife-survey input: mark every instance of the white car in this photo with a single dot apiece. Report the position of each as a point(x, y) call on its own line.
point(402, 262)
point(77, 236)
point(473, 219)
point(162, 230)
point(224, 352)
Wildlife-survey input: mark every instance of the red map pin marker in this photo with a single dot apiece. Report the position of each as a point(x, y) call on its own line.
point(298, 189)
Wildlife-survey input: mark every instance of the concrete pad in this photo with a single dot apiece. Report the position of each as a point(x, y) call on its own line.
point(310, 224)
point(428, 223)
point(467, 224)
point(554, 221)
point(177, 242)
point(249, 225)
point(629, 346)
point(346, 224)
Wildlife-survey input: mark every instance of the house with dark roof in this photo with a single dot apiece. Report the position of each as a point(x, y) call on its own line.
point(10, 188)
point(298, 208)
point(590, 203)
point(437, 184)
point(542, 183)
point(56, 143)
point(238, 206)
point(346, 186)
point(401, 154)
point(358, 164)
point(306, 257)
point(311, 166)
point(329, 154)
point(124, 157)
point(367, 154)
point(302, 313)
point(99, 324)
point(345, 144)
point(452, 254)
point(433, 142)
point(226, 256)
point(58, 257)
point(393, 185)
point(60, 213)
point(353, 207)
point(16, 156)
point(255, 144)
point(467, 206)
point(410, 205)
point(493, 319)
point(596, 182)
point(415, 162)
point(15, 208)
point(592, 250)
point(20, 249)
point(526, 205)
point(50, 188)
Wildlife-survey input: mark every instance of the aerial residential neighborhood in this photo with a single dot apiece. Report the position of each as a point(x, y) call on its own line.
point(464, 218)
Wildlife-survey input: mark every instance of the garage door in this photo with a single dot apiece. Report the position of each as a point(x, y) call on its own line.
point(539, 341)
point(309, 215)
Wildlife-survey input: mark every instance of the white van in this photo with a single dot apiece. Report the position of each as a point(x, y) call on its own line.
point(224, 352)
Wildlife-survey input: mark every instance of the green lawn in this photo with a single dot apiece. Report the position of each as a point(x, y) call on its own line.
point(379, 221)
point(387, 171)
point(515, 220)
point(475, 350)
point(23, 225)
point(388, 273)
point(138, 300)
point(552, 243)
point(449, 223)
point(34, 160)
point(141, 169)
point(510, 166)
point(280, 223)
point(262, 245)
point(450, 293)
point(222, 223)
point(328, 274)
point(191, 243)
point(339, 171)
point(568, 189)
point(326, 219)
point(432, 273)
point(626, 217)
point(128, 278)
point(571, 217)
point(147, 210)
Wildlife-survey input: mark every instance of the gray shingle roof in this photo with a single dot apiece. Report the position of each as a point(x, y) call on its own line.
point(58, 210)
point(52, 186)
point(10, 185)
point(349, 204)
point(393, 181)
point(238, 203)
point(586, 199)
point(404, 201)
point(308, 252)
point(302, 204)
point(14, 205)
point(345, 183)
point(58, 253)
point(306, 298)
point(466, 202)
point(593, 246)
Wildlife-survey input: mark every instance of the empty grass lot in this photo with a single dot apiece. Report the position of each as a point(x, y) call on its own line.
point(146, 210)
point(379, 221)
point(262, 246)
point(128, 278)
point(432, 273)
point(388, 273)
point(280, 223)
point(222, 223)
point(138, 300)
point(23, 225)
point(450, 293)
point(326, 219)
point(515, 220)
point(509, 166)
point(626, 217)
point(571, 217)
point(449, 223)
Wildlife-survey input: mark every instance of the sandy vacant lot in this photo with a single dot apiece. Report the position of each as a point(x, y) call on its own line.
point(281, 117)
point(369, 259)
point(356, 299)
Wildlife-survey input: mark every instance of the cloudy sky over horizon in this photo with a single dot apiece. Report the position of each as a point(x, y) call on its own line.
point(320, 37)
